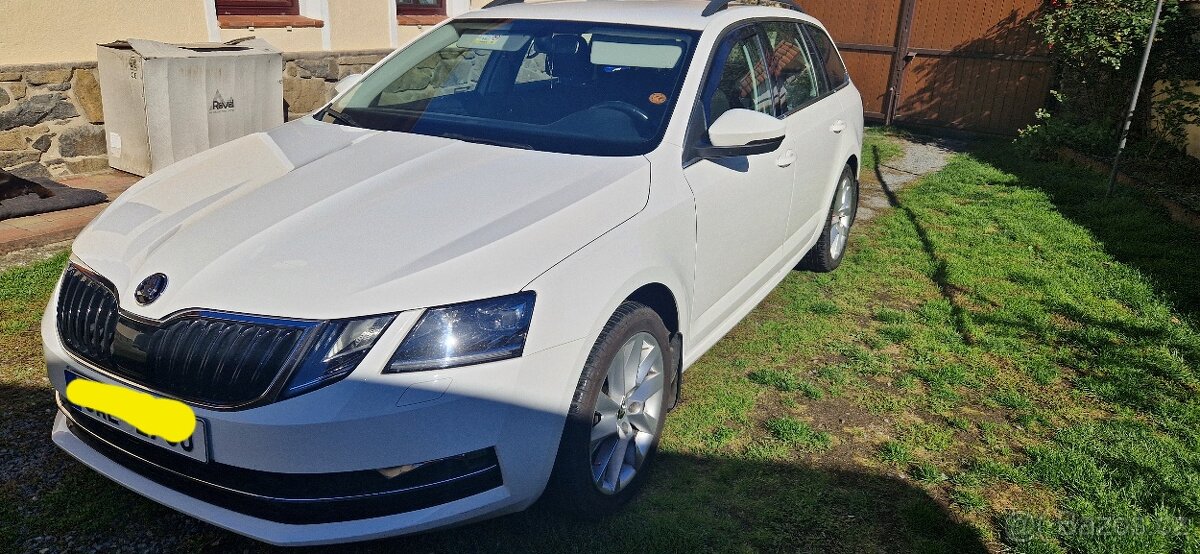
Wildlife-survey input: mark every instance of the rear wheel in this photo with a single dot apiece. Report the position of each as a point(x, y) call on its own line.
point(616, 417)
point(827, 254)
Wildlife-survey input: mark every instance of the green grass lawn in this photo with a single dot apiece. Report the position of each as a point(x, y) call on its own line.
point(1006, 362)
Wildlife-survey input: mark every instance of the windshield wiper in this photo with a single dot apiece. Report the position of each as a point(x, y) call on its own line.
point(344, 118)
point(465, 138)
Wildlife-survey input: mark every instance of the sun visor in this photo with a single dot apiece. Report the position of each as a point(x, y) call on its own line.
point(631, 51)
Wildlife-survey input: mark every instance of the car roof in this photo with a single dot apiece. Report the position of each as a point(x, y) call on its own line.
point(673, 14)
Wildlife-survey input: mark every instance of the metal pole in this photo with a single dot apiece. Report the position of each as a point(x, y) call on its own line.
point(1137, 90)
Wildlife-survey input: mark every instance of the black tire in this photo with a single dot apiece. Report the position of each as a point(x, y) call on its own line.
point(821, 258)
point(571, 486)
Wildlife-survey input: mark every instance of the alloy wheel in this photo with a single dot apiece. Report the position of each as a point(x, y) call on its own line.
point(843, 217)
point(627, 413)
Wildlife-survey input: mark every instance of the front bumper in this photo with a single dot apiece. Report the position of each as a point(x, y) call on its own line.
point(490, 434)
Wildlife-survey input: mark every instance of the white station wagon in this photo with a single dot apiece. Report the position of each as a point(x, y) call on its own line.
point(472, 280)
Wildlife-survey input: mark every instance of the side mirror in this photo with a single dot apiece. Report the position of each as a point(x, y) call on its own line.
point(739, 132)
point(347, 82)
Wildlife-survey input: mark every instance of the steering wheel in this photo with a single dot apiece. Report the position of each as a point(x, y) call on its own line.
point(640, 118)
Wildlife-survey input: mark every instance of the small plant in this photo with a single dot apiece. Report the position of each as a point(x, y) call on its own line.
point(812, 391)
point(835, 375)
point(958, 422)
point(928, 436)
point(720, 436)
point(1043, 371)
point(898, 334)
point(989, 470)
point(879, 402)
point(783, 381)
point(1012, 399)
point(969, 500)
point(989, 433)
point(875, 342)
point(824, 307)
point(798, 434)
point(928, 473)
point(895, 453)
point(1043, 139)
point(937, 372)
point(1031, 419)
point(889, 315)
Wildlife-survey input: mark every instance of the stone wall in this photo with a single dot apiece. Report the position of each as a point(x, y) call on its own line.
point(51, 120)
point(309, 77)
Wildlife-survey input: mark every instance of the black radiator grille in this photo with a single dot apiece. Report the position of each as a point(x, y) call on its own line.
point(215, 361)
point(87, 315)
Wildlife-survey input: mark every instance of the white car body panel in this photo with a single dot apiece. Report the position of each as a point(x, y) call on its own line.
point(202, 228)
point(742, 215)
point(317, 221)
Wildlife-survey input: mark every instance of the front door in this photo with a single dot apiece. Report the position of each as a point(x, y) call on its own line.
point(742, 203)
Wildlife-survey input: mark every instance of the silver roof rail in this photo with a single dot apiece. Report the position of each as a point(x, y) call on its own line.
point(713, 7)
point(717, 5)
point(498, 3)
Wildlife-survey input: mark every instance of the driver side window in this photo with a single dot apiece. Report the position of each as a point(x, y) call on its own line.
point(741, 80)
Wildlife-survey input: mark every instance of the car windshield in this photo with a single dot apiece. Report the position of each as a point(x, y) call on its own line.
point(557, 86)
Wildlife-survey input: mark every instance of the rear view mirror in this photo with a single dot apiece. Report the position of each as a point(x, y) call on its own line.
point(347, 82)
point(739, 132)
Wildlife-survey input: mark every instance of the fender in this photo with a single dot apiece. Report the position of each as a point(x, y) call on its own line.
point(584, 290)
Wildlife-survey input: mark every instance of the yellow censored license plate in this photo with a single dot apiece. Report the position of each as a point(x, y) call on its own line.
point(194, 446)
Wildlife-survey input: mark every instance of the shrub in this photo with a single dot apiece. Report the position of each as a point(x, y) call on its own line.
point(1097, 45)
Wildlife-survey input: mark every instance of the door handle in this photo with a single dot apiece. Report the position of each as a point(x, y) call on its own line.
point(838, 127)
point(787, 159)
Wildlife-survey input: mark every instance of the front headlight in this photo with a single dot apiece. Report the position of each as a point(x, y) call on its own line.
point(466, 334)
point(340, 346)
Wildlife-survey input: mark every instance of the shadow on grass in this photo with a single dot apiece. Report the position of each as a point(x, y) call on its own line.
point(1136, 360)
point(1133, 231)
point(962, 318)
point(691, 503)
point(716, 504)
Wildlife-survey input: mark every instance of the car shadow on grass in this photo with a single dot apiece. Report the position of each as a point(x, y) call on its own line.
point(710, 501)
point(714, 504)
point(691, 503)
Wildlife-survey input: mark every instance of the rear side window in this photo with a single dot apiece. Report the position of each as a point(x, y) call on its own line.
point(828, 58)
point(792, 69)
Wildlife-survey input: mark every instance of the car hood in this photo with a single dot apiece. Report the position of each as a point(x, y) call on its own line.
point(320, 221)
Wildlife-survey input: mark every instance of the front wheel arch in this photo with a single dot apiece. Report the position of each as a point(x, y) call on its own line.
point(571, 487)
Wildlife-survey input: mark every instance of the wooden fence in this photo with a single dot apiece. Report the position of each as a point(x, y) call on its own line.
point(975, 65)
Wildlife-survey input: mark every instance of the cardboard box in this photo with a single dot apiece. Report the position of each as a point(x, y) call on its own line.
point(165, 102)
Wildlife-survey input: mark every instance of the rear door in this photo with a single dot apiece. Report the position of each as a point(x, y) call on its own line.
point(848, 126)
point(812, 112)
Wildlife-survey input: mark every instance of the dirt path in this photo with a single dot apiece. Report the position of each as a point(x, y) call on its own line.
point(922, 156)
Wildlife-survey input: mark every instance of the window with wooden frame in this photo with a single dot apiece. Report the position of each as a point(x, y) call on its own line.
point(247, 14)
point(421, 7)
point(258, 7)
